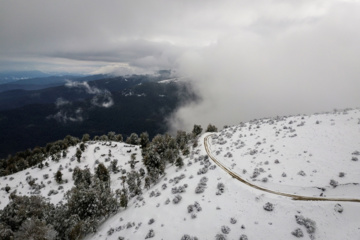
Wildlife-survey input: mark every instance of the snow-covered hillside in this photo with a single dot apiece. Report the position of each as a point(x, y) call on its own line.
point(311, 156)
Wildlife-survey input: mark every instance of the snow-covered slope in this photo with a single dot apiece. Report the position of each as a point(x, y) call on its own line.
point(310, 150)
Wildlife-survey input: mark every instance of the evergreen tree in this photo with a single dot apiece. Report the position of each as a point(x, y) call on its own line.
point(34, 228)
point(85, 137)
point(111, 136)
point(142, 172)
point(102, 173)
point(114, 166)
point(82, 147)
point(119, 138)
point(104, 138)
point(124, 199)
point(82, 177)
point(58, 177)
point(197, 130)
point(179, 162)
point(144, 139)
point(78, 154)
point(211, 128)
point(134, 183)
point(133, 160)
point(133, 139)
point(147, 182)
point(181, 139)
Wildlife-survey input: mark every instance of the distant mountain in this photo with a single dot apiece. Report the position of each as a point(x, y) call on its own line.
point(45, 82)
point(123, 105)
point(11, 76)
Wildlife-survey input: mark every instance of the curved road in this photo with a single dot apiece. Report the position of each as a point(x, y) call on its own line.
point(292, 196)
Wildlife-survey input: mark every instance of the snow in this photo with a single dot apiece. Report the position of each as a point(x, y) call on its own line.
point(322, 148)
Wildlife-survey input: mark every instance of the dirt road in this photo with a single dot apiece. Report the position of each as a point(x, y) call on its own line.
point(292, 196)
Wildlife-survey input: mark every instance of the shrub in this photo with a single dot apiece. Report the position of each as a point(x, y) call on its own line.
point(298, 233)
point(177, 199)
point(243, 237)
point(268, 207)
point(225, 229)
point(233, 220)
point(220, 237)
point(58, 177)
point(338, 208)
point(307, 222)
point(150, 234)
point(334, 183)
point(301, 173)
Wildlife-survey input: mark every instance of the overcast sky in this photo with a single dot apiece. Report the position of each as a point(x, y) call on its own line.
point(248, 59)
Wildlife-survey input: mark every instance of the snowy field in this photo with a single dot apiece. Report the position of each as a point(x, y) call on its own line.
point(307, 155)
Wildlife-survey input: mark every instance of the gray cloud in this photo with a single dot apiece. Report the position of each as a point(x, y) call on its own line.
point(308, 67)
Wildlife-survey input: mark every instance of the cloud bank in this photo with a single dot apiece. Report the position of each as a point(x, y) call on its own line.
point(296, 67)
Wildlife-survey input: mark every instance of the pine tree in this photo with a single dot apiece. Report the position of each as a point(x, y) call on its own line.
point(111, 136)
point(133, 160)
point(211, 128)
point(144, 139)
point(147, 182)
point(119, 138)
point(124, 199)
point(179, 162)
point(82, 147)
point(102, 173)
point(197, 130)
point(78, 154)
point(85, 137)
point(134, 183)
point(133, 139)
point(58, 177)
point(114, 166)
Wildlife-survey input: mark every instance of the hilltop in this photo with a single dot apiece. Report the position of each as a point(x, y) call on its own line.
point(309, 156)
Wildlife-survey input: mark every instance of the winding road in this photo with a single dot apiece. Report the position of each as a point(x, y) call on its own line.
point(292, 196)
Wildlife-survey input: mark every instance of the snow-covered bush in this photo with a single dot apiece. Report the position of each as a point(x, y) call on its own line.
point(233, 220)
point(225, 229)
point(151, 221)
point(150, 234)
point(301, 173)
point(333, 183)
point(110, 232)
point(341, 174)
point(190, 208)
point(297, 233)
point(268, 206)
point(243, 237)
point(220, 237)
point(338, 208)
point(177, 199)
point(357, 153)
point(188, 237)
point(307, 222)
